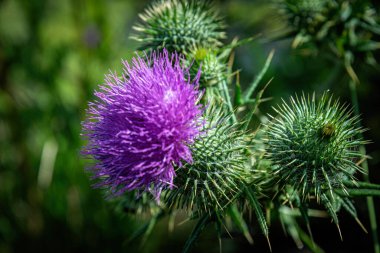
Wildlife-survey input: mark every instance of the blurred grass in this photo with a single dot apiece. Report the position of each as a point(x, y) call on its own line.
point(53, 54)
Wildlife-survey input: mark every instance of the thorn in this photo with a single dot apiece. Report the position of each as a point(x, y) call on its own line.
point(340, 232)
point(231, 60)
point(361, 225)
point(352, 74)
point(184, 221)
point(220, 245)
point(270, 247)
point(249, 238)
point(228, 232)
point(311, 234)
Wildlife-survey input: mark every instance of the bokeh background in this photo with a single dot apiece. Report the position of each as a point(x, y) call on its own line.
point(53, 54)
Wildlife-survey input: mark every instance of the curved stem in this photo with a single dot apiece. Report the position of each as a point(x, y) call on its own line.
point(362, 150)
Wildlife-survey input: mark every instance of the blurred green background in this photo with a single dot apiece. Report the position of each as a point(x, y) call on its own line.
point(53, 54)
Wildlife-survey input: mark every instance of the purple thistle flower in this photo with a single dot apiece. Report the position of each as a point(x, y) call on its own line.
point(141, 124)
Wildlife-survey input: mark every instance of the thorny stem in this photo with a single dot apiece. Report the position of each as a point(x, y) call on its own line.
point(362, 150)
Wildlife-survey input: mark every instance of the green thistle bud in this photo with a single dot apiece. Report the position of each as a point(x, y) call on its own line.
point(313, 145)
point(212, 67)
point(179, 25)
point(219, 171)
point(305, 14)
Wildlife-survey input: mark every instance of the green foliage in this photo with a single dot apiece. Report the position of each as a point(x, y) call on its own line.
point(51, 54)
point(349, 29)
point(180, 26)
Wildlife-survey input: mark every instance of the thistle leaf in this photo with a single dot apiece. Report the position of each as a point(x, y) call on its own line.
point(258, 211)
point(240, 222)
point(198, 228)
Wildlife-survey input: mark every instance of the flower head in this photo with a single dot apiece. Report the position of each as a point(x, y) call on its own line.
point(179, 25)
point(141, 124)
point(313, 145)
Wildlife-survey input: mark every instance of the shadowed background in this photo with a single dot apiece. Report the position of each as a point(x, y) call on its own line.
point(53, 54)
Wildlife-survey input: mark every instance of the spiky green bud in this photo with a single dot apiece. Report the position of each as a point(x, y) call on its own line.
point(305, 14)
point(213, 69)
point(179, 25)
point(219, 170)
point(313, 145)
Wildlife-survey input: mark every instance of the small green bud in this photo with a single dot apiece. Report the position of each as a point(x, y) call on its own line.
point(212, 67)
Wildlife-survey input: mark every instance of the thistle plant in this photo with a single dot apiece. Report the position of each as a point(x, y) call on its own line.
point(148, 131)
point(313, 145)
point(141, 124)
point(180, 26)
point(219, 171)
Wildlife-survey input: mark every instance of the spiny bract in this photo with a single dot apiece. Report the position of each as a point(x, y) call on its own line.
point(313, 145)
point(179, 25)
point(219, 170)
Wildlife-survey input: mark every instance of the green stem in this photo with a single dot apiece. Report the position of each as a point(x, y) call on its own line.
point(259, 77)
point(359, 192)
point(361, 185)
point(362, 150)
